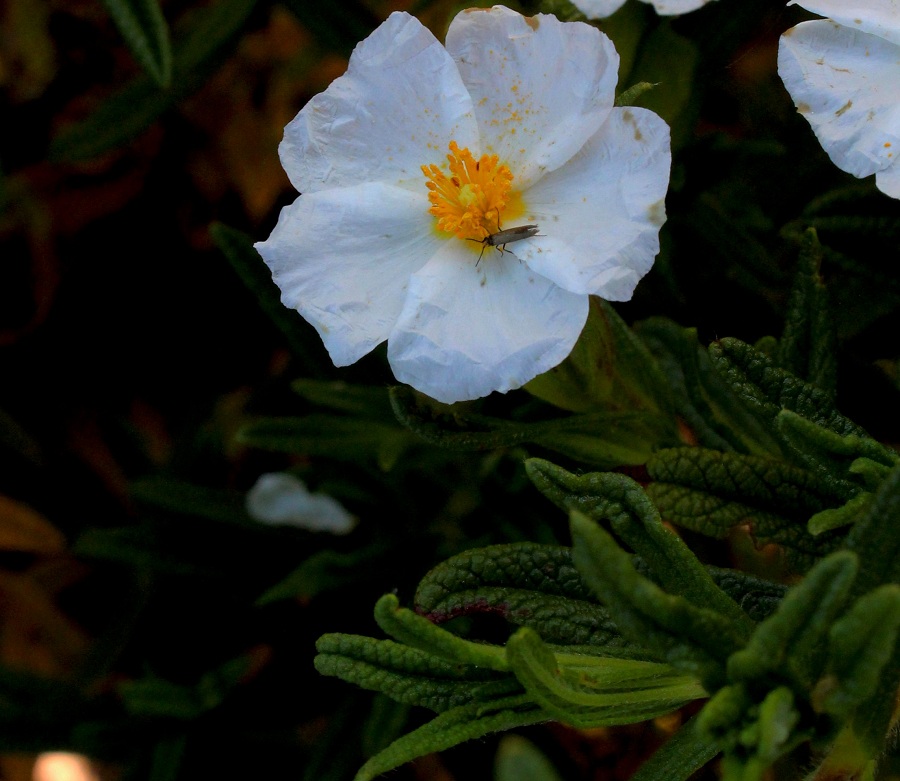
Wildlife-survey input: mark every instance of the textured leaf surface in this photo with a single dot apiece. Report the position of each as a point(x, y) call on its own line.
point(623, 502)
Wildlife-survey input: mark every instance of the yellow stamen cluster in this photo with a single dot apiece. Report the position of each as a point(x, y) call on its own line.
point(469, 203)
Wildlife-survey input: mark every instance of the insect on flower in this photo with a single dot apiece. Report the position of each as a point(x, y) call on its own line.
point(503, 237)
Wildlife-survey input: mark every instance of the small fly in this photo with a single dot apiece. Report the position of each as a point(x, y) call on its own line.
point(503, 237)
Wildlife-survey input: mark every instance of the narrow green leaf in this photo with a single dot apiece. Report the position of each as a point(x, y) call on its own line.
point(144, 29)
point(407, 674)
point(606, 693)
point(417, 631)
point(693, 639)
point(790, 641)
point(623, 502)
point(875, 537)
point(861, 643)
point(712, 412)
point(689, 749)
point(605, 439)
point(808, 346)
point(452, 728)
point(301, 338)
point(133, 109)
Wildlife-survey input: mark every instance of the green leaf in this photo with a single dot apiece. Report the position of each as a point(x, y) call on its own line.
point(605, 439)
point(145, 31)
point(250, 267)
point(452, 728)
point(691, 638)
point(406, 626)
point(768, 389)
point(808, 346)
point(527, 584)
point(127, 113)
point(711, 492)
point(875, 537)
point(702, 398)
point(519, 759)
point(790, 641)
point(623, 502)
point(608, 369)
point(689, 749)
point(597, 692)
point(408, 675)
point(861, 643)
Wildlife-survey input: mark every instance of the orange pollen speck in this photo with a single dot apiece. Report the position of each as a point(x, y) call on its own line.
point(470, 201)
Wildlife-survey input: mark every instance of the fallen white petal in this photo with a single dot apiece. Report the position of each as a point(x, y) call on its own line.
point(401, 97)
point(600, 214)
point(466, 331)
point(847, 85)
point(281, 499)
point(535, 108)
point(878, 17)
point(343, 258)
point(598, 9)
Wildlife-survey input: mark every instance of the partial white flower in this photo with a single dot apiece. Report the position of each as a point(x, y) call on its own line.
point(281, 499)
point(413, 159)
point(843, 74)
point(600, 9)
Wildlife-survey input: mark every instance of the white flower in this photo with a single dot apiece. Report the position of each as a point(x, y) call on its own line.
point(600, 9)
point(281, 499)
point(843, 74)
point(419, 152)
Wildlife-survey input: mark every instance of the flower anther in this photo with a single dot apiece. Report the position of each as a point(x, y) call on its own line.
point(468, 203)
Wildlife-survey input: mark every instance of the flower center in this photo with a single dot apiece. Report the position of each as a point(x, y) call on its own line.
point(469, 203)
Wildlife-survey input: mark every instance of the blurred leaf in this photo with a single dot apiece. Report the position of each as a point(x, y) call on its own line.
point(178, 496)
point(680, 757)
point(325, 571)
point(519, 759)
point(24, 529)
point(144, 29)
point(251, 268)
point(344, 439)
point(667, 60)
point(127, 113)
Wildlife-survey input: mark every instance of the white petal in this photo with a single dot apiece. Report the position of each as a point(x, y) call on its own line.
point(540, 87)
point(888, 181)
point(878, 17)
point(281, 499)
point(343, 258)
point(600, 214)
point(847, 85)
point(401, 99)
point(466, 331)
point(673, 7)
point(598, 9)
